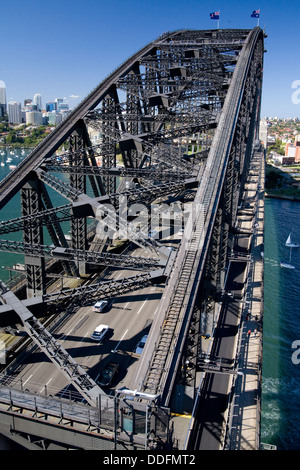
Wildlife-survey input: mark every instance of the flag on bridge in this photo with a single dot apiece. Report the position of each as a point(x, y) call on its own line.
point(255, 14)
point(215, 15)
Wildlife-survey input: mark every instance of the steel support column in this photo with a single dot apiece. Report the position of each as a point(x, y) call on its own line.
point(31, 204)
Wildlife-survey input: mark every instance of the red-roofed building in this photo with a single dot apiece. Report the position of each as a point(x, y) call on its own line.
point(293, 150)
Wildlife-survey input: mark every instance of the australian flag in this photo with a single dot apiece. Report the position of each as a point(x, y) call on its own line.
point(215, 15)
point(255, 14)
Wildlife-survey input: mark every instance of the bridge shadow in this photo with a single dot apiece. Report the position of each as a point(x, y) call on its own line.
point(106, 351)
point(132, 298)
point(208, 431)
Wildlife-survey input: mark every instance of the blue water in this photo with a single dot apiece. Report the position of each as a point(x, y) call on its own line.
point(13, 209)
point(281, 377)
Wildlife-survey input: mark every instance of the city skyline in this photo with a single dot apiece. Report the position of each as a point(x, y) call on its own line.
point(84, 47)
point(37, 99)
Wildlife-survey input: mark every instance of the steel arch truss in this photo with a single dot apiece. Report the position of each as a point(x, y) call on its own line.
point(175, 121)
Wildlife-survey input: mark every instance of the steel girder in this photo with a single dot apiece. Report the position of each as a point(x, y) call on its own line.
point(68, 299)
point(185, 88)
point(31, 204)
point(104, 259)
point(56, 353)
point(245, 86)
point(239, 158)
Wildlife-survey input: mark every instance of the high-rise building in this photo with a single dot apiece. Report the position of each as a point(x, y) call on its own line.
point(263, 132)
point(34, 118)
point(50, 106)
point(54, 118)
point(57, 102)
point(14, 112)
point(2, 98)
point(37, 99)
point(62, 107)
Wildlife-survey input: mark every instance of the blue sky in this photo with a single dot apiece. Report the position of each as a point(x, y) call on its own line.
point(64, 48)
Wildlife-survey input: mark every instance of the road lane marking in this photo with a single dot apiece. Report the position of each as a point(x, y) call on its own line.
point(142, 306)
point(45, 385)
point(119, 275)
point(24, 383)
point(114, 350)
point(84, 336)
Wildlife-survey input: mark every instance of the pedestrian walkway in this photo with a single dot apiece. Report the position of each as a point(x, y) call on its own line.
point(244, 420)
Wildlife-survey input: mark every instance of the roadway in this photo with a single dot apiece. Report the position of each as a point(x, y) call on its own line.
point(208, 433)
point(212, 410)
point(129, 318)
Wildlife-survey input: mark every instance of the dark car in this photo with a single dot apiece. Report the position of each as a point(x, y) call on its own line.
point(141, 344)
point(106, 377)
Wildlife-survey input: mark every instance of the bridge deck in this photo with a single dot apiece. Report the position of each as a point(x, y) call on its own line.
point(239, 428)
point(245, 424)
point(201, 260)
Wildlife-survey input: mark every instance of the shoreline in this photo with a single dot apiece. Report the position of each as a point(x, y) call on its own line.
point(282, 196)
point(15, 147)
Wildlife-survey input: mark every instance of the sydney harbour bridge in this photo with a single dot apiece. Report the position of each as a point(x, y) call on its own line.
point(144, 218)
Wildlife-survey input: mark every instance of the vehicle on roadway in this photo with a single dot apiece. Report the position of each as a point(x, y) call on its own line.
point(101, 305)
point(106, 376)
point(100, 332)
point(141, 344)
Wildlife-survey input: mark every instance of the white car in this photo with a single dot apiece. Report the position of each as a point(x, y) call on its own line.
point(141, 344)
point(100, 332)
point(100, 306)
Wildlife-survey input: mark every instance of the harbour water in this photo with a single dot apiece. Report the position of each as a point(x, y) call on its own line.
point(281, 373)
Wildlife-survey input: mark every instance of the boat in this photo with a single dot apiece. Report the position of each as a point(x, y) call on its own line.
point(284, 264)
point(289, 242)
point(288, 265)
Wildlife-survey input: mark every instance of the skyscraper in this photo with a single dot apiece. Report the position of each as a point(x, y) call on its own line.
point(37, 99)
point(14, 112)
point(50, 106)
point(2, 98)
